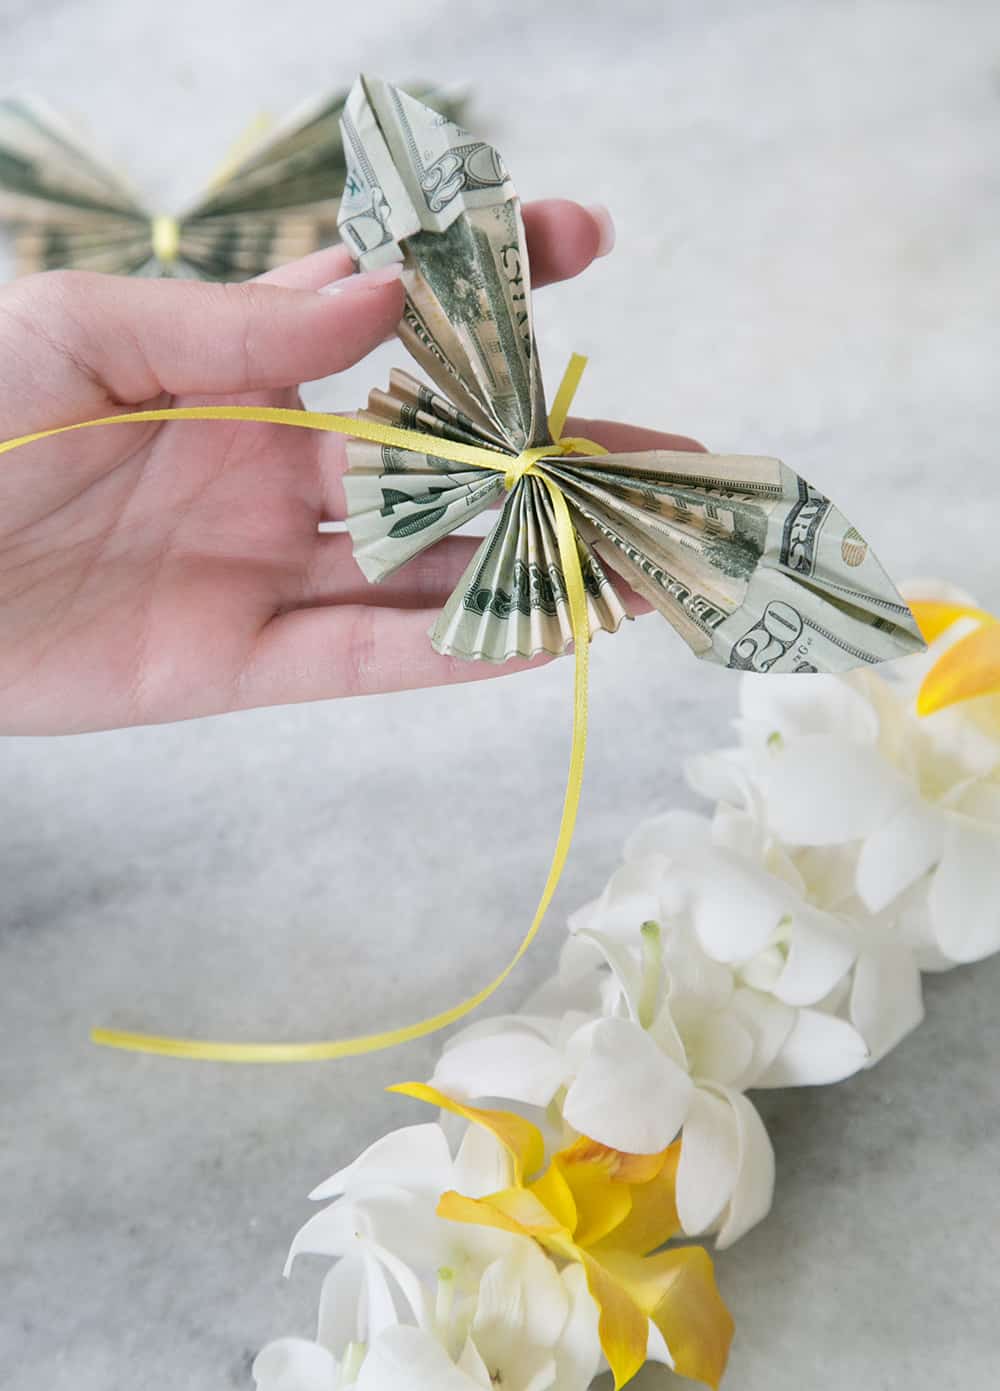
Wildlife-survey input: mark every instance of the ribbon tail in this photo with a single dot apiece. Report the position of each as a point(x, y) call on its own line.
point(564, 396)
point(209, 1051)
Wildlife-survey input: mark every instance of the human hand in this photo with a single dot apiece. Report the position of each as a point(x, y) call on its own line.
point(162, 572)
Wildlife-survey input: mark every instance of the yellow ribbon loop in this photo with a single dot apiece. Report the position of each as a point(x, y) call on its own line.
point(476, 456)
point(165, 235)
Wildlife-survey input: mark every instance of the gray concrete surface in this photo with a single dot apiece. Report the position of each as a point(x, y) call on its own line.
point(807, 200)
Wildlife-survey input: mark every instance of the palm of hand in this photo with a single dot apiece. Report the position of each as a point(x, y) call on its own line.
point(144, 594)
point(152, 573)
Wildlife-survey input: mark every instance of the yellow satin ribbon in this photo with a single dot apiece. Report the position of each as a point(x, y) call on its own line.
point(474, 456)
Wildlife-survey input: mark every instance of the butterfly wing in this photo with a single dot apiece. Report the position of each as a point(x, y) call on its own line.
point(275, 198)
point(65, 207)
point(753, 566)
point(422, 190)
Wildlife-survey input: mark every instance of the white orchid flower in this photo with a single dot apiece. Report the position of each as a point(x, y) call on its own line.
point(412, 1290)
point(705, 968)
point(534, 1329)
point(918, 800)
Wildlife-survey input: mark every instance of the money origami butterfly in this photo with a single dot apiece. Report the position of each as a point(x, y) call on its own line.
point(753, 566)
point(274, 199)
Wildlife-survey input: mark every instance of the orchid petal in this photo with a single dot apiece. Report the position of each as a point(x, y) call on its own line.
point(825, 791)
point(500, 1301)
point(398, 1217)
point(357, 1299)
point(623, 1327)
point(342, 1304)
point(407, 1357)
point(978, 800)
point(777, 860)
point(380, 1306)
point(886, 998)
point(827, 873)
point(653, 1217)
point(897, 853)
point(770, 1024)
point(588, 915)
point(818, 958)
point(522, 1140)
point(968, 669)
point(526, 1020)
point(472, 1363)
point(673, 834)
point(726, 1166)
point(762, 971)
point(553, 1191)
point(514, 1210)
point(791, 708)
point(548, 1302)
point(556, 997)
point(623, 963)
point(521, 1312)
point(738, 831)
point(677, 1290)
point(754, 1191)
point(695, 1323)
point(819, 1049)
point(709, 1162)
point(667, 1037)
point(415, 1157)
point(723, 776)
point(601, 1201)
point(915, 931)
point(736, 906)
point(332, 1232)
point(578, 1351)
point(515, 1064)
point(720, 1048)
point(936, 616)
point(482, 1165)
point(294, 1364)
point(579, 956)
point(634, 894)
point(963, 902)
point(627, 1094)
point(697, 982)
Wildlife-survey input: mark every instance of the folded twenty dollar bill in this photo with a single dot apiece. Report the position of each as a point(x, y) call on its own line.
point(753, 566)
point(274, 199)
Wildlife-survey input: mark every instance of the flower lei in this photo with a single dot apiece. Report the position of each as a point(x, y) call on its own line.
point(854, 843)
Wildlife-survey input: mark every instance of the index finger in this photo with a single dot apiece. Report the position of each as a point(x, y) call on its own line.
point(563, 239)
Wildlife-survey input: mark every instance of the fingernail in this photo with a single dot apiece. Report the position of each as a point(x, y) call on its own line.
point(365, 280)
point(605, 228)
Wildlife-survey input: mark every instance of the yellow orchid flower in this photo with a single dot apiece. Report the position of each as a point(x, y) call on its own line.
point(607, 1211)
point(968, 669)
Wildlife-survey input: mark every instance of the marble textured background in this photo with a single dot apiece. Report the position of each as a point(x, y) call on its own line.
point(807, 197)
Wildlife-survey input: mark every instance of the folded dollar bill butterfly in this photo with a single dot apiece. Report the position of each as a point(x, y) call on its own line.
point(753, 566)
point(275, 198)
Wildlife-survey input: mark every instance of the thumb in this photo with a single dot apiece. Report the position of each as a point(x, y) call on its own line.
point(137, 338)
